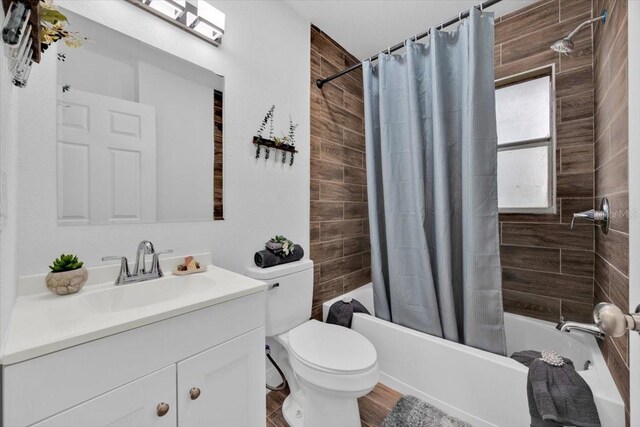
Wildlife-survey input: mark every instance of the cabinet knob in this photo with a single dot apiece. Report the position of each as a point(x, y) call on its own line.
point(162, 409)
point(194, 393)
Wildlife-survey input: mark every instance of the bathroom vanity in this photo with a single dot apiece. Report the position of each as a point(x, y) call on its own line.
point(176, 351)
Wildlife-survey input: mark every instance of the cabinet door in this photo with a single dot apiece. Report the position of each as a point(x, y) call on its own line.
point(133, 405)
point(224, 386)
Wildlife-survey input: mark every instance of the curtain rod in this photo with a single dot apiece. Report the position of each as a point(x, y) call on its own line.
point(460, 17)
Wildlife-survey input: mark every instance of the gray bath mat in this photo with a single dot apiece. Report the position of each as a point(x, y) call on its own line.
point(413, 412)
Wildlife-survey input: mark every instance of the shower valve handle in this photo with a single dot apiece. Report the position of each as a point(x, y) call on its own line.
point(600, 216)
point(613, 321)
point(591, 215)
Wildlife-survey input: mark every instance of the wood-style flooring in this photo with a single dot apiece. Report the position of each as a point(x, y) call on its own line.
point(374, 407)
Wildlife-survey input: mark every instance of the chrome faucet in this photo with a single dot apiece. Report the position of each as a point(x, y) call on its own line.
point(609, 320)
point(588, 328)
point(144, 248)
point(140, 273)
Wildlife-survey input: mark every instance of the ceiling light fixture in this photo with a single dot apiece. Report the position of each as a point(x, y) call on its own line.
point(196, 17)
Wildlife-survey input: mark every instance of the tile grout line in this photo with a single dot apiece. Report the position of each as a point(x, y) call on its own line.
point(549, 272)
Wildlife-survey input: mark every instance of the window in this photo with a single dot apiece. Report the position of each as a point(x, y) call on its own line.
point(525, 116)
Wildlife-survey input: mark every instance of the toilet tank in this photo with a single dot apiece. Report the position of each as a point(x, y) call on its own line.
point(289, 295)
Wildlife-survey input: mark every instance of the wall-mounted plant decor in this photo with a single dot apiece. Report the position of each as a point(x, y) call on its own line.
point(285, 144)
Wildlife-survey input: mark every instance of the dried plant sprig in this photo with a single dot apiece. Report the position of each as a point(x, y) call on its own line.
point(271, 123)
point(292, 132)
point(268, 117)
point(282, 140)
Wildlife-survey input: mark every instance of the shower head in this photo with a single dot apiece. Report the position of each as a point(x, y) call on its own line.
point(565, 45)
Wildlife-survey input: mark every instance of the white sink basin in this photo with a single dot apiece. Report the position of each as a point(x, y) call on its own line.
point(138, 295)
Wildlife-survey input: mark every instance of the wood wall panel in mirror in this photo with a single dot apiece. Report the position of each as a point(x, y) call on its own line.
point(140, 133)
point(217, 156)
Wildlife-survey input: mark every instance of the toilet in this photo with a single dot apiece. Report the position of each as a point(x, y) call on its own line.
point(327, 366)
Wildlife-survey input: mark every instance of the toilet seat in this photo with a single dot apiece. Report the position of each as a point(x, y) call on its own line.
point(333, 357)
point(331, 348)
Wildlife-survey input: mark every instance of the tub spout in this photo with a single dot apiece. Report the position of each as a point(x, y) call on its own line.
point(588, 328)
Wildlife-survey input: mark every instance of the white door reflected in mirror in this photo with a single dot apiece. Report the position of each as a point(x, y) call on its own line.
point(106, 160)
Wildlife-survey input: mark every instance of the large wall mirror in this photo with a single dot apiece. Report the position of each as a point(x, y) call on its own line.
point(139, 133)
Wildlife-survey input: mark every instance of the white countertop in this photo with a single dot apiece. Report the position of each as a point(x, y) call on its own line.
point(42, 322)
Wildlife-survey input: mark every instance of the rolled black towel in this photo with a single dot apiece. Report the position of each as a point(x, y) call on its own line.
point(341, 312)
point(266, 258)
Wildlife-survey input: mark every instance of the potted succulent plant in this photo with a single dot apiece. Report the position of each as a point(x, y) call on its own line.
point(67, 275)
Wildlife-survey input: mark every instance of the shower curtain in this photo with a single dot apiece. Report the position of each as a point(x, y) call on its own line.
point(431, 150)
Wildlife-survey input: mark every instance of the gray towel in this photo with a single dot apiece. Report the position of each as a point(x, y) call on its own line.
point(266, 258)
point(341, 313)
point(558, 395)
point(527, 357)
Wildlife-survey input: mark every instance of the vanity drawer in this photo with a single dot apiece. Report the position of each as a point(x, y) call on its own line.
point(49, 384)
point(147, 402)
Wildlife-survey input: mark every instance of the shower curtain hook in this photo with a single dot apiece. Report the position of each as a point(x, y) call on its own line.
point(481, 7)
point(460, 16)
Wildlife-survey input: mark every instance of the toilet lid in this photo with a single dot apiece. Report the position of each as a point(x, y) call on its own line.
point(331, 347)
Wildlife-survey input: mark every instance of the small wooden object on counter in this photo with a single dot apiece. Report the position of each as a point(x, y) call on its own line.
point(189, 266)
point(202, 269)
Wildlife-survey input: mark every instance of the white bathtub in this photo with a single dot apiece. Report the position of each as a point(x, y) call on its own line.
point(481, 388)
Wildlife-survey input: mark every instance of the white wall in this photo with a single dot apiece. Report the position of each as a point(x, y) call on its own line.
point(107, 76)
point(265, 60)
point(634, 203)
point(8, 194)
point(184, 143)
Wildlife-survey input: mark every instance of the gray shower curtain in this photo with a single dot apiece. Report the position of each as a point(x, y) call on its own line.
point(431, 174)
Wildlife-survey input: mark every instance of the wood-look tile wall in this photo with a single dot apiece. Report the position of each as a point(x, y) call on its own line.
point(547, 268)
point(339, 225)
point(218, 208)
point(611, 176)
